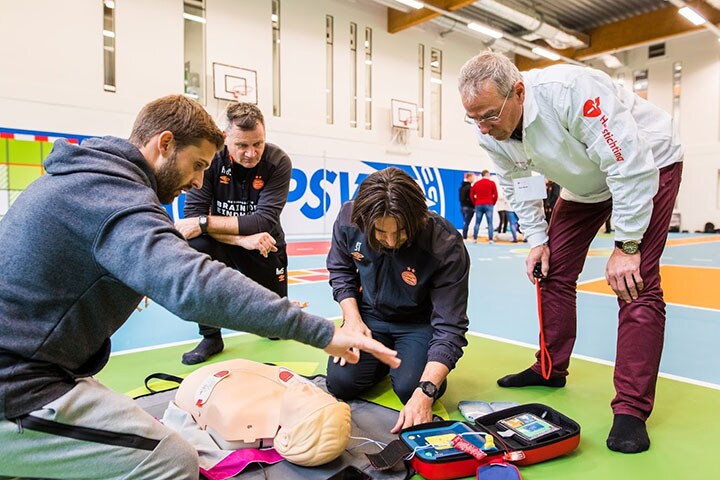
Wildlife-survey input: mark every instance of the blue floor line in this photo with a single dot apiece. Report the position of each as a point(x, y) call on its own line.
point(502, 304)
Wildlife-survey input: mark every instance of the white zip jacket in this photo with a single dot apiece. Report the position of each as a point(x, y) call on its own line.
point(593, 138)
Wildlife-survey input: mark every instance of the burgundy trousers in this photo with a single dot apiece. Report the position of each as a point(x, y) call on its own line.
point(641, 325)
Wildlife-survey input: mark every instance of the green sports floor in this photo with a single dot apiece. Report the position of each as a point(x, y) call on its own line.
point(684, 427)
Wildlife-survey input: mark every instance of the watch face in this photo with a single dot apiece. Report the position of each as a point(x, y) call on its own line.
point(630, 247)
point(428, 389)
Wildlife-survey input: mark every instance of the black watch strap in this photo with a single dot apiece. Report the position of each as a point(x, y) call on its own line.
point(429, 389)
point(631, 247)
point(203, 222)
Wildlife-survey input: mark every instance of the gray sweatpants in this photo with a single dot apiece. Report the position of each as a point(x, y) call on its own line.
point(92, 432)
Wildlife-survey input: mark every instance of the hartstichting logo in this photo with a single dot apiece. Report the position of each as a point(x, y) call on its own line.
point(591, 109)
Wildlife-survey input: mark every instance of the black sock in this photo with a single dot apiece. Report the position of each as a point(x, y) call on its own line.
point(628, 435)
point(209, 346)
point(527, 378)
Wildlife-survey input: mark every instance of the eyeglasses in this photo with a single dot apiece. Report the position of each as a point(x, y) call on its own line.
point(492, 118)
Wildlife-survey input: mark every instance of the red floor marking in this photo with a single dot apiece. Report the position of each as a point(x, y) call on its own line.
point(313, 278)
point(297, 249)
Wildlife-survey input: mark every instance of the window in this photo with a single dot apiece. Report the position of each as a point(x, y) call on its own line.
point(109, 45)
point(435, 94)
point(677, 77)
point(194, 24)
point(329, 72)
point(368, 78)
point(353, 75)
point(640, 83)
point(276, 55)
point(620, 79)
point(421, 90)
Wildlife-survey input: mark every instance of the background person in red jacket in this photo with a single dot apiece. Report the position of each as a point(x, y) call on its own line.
point(484, 195)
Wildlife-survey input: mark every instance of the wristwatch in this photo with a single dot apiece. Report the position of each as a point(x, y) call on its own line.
point(203, 222)
point(631, 247)
point(429, 389)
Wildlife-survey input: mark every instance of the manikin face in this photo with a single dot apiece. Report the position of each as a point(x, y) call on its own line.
point(389, 234)
point(246, 146)
point(494, 114)
point(182, 170)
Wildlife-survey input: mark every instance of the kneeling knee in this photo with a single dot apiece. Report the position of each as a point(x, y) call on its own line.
point(343, 388)
point(404, 392)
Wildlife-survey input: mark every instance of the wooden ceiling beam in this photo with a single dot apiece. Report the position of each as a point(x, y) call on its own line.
point(399, 21)
point(640, 30)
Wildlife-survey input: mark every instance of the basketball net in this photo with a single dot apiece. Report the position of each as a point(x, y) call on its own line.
point(400, 136)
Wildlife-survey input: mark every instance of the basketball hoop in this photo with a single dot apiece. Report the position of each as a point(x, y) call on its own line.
point(241, 93)
point(410, 123)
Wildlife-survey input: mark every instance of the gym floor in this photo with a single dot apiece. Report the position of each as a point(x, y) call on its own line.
point(503, 338)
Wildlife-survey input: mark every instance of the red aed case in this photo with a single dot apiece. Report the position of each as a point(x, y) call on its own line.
point(538, 440)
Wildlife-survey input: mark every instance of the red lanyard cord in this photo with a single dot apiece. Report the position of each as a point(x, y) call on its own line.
point(545, 359)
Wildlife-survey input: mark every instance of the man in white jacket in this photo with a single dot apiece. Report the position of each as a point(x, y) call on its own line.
point(614, 154)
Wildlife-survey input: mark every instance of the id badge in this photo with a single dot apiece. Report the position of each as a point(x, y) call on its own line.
point(530, 188)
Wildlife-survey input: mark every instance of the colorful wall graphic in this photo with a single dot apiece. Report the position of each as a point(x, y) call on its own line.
point(319, 186)
point(21, 155)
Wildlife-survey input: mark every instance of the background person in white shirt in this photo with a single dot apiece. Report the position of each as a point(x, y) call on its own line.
point(614, 154)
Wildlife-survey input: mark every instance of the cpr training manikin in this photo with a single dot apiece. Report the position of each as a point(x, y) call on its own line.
point(243, 404)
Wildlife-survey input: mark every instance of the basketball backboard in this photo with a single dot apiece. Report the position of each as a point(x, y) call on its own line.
point(234, 83)
point(404, 114)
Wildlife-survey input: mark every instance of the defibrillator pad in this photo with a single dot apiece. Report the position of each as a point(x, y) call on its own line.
point(435, 443)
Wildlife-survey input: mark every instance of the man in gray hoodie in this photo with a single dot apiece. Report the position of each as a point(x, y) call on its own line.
point(81, 246)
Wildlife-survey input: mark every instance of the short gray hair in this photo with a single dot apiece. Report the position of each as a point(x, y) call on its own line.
point(487, 65)
point(244, 116)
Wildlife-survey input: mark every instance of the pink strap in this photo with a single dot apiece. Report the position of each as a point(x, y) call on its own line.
point(238, 460)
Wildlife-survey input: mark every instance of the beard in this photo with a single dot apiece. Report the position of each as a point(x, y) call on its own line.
point(168, 180)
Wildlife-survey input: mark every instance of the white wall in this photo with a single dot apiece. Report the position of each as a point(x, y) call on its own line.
point(52, 64)
point(53, 75)
point(51, 79)
point(699, 117)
